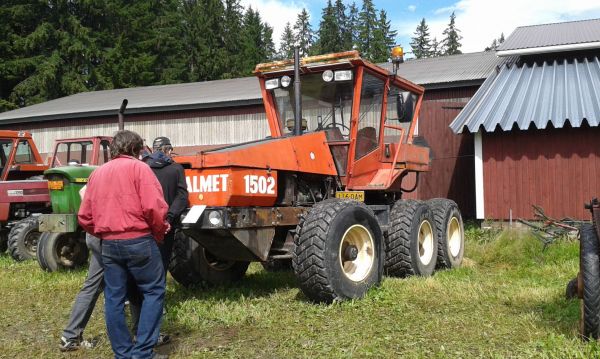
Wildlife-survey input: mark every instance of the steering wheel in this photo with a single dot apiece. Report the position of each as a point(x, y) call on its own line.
point(332, 125)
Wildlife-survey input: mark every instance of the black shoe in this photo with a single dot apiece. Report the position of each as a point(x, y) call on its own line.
point(69, 345)
point(163, 339)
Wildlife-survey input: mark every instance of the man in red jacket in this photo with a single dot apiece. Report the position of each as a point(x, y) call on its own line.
point(125, 207)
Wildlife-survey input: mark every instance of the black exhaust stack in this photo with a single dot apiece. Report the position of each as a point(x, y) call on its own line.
point(297, 94)
point(122, 115)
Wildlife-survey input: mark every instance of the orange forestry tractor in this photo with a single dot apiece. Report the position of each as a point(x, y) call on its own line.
point(324, 191)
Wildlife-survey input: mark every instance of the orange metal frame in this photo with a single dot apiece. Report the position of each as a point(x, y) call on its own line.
point(16, 137)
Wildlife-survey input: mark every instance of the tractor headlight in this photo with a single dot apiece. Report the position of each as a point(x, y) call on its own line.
point(327, 75)
point(286, 81)
point(215, 218)
point(272, 84)
point(343, 75)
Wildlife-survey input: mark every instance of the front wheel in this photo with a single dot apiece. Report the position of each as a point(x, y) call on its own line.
point(338, 252)
point(23, 239)
point(57, 251)
point(192, 265)
point(589, 268)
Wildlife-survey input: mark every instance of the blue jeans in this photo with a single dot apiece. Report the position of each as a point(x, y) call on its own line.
point(139, 259)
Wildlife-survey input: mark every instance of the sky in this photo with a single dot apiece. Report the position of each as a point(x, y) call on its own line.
point(480, 21)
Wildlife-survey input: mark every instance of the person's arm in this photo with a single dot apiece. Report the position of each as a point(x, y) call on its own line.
point(152, 201)
point(180, 202)
point(85, 216)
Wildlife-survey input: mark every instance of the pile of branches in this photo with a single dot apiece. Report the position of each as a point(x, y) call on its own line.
point(549, 230)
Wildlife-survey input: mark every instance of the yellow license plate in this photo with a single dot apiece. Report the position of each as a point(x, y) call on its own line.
point(355, 195)
point(55, 185)
point(81, 180)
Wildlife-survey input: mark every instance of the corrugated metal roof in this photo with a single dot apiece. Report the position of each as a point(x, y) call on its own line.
point(553, 92)
point(564, 33)
point(457, 69)
point(208, 94)
point(475, 66)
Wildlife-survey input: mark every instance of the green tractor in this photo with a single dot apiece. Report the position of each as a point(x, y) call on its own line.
point(62, 241)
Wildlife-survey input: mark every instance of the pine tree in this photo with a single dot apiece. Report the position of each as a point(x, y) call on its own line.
point(451, 41)
point(352, 27)
point(344, 26)
point(303, 33)
point(436, 48)
point(286, 43)
point(268, 45)
point(232, 38)
point(367, 26)
point(421, 44)
point(253, 48)
point(383, 39)
point(495, 43)
point(329, 32)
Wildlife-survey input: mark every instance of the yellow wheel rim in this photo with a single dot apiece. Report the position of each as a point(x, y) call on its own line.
point(357, 253)
point(454, 237)
point(425, 242)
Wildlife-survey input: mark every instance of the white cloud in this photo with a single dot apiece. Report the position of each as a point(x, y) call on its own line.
point(481, 21)
point(412, 8)
point(276, 13)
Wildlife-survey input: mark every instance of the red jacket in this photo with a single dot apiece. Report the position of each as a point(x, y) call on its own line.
point(123, 200)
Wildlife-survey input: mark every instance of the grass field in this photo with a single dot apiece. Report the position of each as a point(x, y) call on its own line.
point(506, 301)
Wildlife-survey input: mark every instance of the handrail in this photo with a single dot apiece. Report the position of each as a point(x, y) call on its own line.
point(402, 130)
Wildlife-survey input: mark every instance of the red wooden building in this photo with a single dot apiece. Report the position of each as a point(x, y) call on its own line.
point(535, 124)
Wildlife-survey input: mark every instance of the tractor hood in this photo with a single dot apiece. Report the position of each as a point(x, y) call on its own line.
point(79, 174)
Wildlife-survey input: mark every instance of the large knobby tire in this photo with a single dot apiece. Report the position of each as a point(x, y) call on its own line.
point(59, 251)
point(338, 251)
point(23, 239)
point(450, 232)
point(411, 245)
point(3, 240)
point(589, 268)
point(191, 265)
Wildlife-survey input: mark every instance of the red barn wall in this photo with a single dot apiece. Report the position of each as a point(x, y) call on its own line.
point(452, 156)
point(556, 169)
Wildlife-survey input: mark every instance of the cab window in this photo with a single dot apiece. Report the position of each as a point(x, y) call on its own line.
point(24, 154)
point(371, 104)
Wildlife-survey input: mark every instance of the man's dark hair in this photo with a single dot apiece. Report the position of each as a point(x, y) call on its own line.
point(126, 143)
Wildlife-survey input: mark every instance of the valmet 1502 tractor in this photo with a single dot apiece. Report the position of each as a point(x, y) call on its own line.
point(323, 190)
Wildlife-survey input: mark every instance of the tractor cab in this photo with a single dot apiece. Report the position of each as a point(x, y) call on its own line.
point(369, 114)
point(19, 157)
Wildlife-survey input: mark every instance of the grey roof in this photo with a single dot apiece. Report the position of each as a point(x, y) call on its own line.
point(564, 33)
point(458, 69)
point(554, 92)
point(195, 95)
point(447, 71)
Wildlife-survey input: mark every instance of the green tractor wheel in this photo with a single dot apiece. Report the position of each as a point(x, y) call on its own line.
point(57, 251)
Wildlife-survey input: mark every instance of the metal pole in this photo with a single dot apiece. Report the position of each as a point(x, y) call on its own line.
point(297, 94)
point(121, 115)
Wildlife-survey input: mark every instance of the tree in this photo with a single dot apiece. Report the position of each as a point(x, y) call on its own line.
point(303, 33)
point(383, 39)
point(451, 41)
point(286, 43)
point(268, 45)
point(496, 43)
point(344, 26)
point(421, 44)
point(367, 26)
point(253, 48)
point(436, 48)
point(352, 27)
point(329, 32)
point(232, 37)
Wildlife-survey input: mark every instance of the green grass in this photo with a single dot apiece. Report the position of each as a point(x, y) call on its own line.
point(506, 301)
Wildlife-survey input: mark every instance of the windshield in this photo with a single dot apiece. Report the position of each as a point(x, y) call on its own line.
point(72, 153)
point(325, 105)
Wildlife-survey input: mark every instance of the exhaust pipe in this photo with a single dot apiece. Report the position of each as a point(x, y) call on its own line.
point(122, 115)
point(297, 94)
